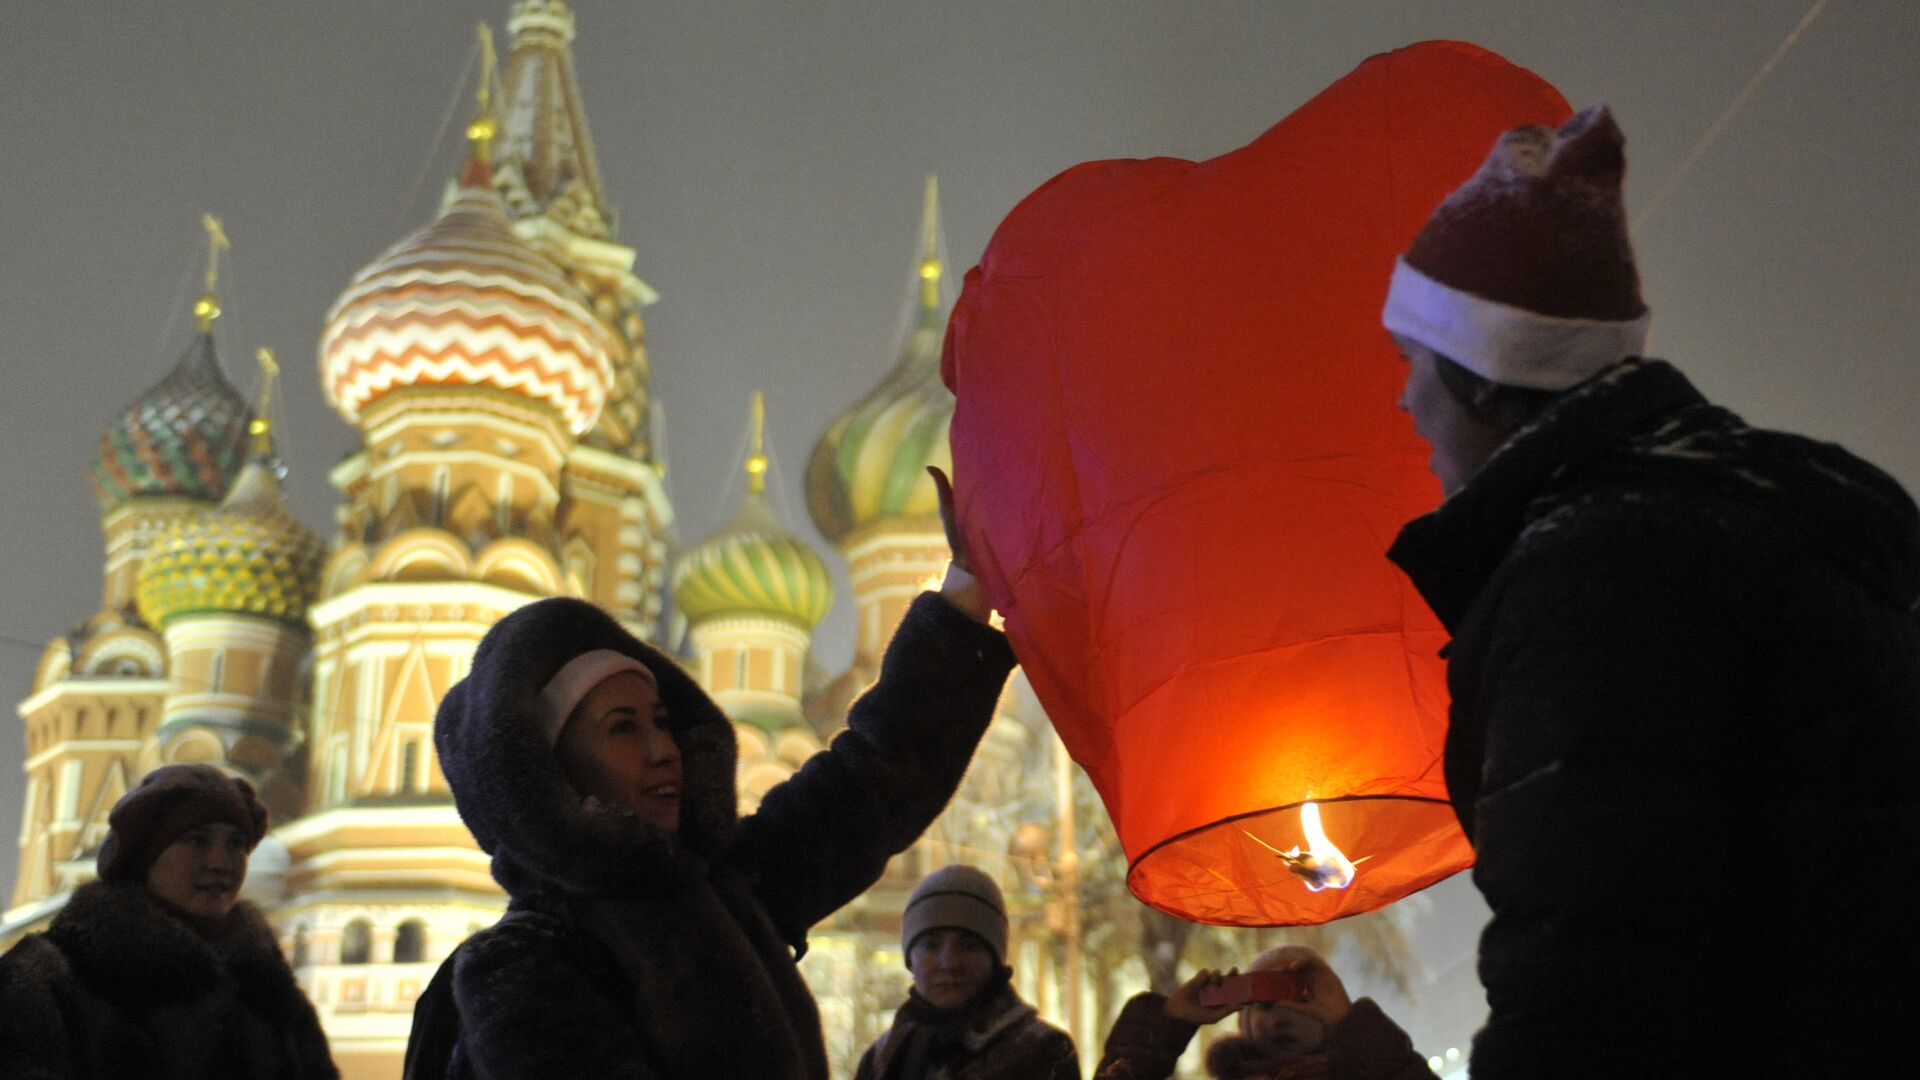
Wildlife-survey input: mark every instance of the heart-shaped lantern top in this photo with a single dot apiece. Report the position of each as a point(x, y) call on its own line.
point(1180, 465)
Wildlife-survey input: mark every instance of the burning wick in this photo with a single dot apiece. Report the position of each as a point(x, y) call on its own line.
point(1323, 866)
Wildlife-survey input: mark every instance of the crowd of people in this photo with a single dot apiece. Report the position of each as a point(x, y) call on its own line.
point(1685, 739)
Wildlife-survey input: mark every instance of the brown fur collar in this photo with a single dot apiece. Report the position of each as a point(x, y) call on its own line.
point(128, 946)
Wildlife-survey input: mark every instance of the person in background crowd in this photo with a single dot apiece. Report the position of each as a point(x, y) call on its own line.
point(652, 932)
point(963, 1019)
point(1319, 1034)
point(1685, 669)
point(159, 968)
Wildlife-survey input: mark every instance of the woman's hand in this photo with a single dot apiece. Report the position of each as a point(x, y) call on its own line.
point(960, 587)
point(1184, 1003)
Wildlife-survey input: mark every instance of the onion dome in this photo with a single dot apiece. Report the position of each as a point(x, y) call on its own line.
point(247, 556)
point(872, 462)
point(186, 436)
point(753, 566)
point(464, 302)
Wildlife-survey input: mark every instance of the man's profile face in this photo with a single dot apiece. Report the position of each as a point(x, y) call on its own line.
point(1461, 440)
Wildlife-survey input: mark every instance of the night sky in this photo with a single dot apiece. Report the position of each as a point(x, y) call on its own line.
point(766, 161)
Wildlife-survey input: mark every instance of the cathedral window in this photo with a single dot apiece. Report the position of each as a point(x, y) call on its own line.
point(410, 765)
point(216, 672)
point(410, 942)
point(441, 482)
point(300, 949)
point(356, 942)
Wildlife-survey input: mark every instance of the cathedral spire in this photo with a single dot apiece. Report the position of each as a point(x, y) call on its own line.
point(931, 266)
point(207, 308)
point(544, 127)
point(483, 128)
point(261, 427)
point(757, 452)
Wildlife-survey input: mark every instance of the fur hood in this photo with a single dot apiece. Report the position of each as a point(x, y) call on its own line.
point(508, 784)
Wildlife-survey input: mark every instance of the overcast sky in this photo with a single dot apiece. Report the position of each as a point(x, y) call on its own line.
point(766, 160)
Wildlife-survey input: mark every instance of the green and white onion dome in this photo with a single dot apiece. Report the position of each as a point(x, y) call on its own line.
point(871, 464)
point(753, 567)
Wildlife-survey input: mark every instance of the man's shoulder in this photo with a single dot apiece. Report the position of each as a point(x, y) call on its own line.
point(1626, 525)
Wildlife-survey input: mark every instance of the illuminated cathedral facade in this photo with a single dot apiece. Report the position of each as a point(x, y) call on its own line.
point(495, 366)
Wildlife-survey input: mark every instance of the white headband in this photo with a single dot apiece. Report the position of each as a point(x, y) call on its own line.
point(1506, 344)
point(577, 679)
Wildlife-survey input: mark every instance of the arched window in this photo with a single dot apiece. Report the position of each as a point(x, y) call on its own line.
point(410, 765)
point(300, 950)
point(441, 481)
point(410, 942)
point(217, 672)
point(356, 942)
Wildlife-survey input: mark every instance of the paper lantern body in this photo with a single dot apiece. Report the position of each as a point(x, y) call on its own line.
point(1180, 464)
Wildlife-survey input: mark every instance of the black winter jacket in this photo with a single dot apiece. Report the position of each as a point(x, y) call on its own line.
point(630, 953)
point(1001, 1038)
point(118, 986)
point(1685, 738)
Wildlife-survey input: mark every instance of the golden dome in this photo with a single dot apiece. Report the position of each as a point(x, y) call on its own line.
point(248, 556)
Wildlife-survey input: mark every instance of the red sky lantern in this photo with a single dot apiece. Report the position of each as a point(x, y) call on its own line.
point(1180, 465)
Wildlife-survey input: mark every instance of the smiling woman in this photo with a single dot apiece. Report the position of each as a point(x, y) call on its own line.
point(158, 968)
point(645, 909)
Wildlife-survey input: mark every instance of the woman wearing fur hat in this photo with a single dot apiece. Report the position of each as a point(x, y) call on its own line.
point(963, 1020)
point(1316, 1033)
point(158, 968)
point(652, 931)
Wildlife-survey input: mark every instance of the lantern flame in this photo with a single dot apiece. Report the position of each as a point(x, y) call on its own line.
point(1323, 865)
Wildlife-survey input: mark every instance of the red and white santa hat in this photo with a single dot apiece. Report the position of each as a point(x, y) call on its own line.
point(1525, 274)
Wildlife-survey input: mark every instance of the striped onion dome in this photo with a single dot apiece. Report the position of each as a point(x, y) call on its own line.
point(872, 462)
point(247, 556)
point(185, 437)
point(753, 567)
point(464, 302)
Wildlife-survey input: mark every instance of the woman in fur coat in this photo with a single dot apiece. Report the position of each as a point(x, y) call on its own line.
point(652, 932)
point(158, 969)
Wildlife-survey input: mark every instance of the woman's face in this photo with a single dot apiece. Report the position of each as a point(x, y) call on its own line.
point(201, 872)
point(950, 967)
point(617, 748)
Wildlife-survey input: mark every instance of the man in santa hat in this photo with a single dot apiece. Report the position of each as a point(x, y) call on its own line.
point(1685, 734)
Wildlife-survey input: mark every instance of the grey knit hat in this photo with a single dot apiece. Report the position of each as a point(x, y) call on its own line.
point(956, 897)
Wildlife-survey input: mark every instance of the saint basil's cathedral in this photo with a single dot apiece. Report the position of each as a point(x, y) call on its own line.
point(495, 366)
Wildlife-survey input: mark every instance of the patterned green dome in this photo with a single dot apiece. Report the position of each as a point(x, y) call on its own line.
point(186, 437)
point(753, 567)
point(249, 556)
point(872, 462)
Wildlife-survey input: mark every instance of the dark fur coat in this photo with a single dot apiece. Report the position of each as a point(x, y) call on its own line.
point(1685, 739)
point(1001, 1038)
point(118, 986)
point(630, 953)
point(1145, 1044)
